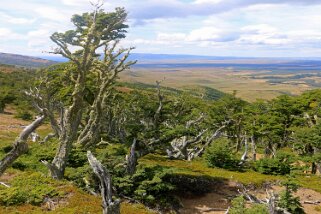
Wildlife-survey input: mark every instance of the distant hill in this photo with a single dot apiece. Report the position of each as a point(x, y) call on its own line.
point(24, 61)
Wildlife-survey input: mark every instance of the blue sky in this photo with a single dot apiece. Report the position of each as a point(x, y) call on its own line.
point(263, 28)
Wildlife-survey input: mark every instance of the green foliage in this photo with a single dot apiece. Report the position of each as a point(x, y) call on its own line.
point(287, 200)
point(220, 155)
point(77, 158)
point(24, 115)
point(272, 166)
point(238, 207)
point(13, 84)
point(149, 185)
point(32, 189)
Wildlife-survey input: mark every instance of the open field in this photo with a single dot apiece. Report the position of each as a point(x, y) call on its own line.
point(249, 84)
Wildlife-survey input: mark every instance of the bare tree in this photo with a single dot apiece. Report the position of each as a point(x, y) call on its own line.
point(110, 206)
point(131, 160)
point(20, 146)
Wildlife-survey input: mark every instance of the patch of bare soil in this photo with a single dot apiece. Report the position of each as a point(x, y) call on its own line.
point(311, 196)
point(215, 202)
point(219, 199)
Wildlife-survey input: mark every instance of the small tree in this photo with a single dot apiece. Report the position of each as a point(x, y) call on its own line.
point(287, 200)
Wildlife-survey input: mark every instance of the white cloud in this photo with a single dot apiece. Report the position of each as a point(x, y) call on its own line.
point(171, 37)
point(76, 2)
point(53, 14)
point(15, 20)
point(207, 1)
point(205, 34)
point(7, 34)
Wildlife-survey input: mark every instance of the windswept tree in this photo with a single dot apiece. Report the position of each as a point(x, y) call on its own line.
point(96, 31)
point(73, 96)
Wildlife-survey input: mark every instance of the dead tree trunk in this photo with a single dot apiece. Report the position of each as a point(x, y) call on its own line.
point(20, 146)
point(47, 138)
point(109, 206)
point(246, 147)
point(131, 160)
point(253, 145)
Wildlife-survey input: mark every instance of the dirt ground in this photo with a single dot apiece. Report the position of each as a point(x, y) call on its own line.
point(219, 200)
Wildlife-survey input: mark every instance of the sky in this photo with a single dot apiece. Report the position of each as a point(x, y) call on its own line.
point(256, 28)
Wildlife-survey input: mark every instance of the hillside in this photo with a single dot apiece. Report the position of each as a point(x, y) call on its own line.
point(24, 61)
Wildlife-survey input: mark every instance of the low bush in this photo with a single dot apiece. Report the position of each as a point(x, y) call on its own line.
point(30, 189)
point(238, 207)
point(272, 166)
point(150, 185)
point(220, 155)
point(24, 115)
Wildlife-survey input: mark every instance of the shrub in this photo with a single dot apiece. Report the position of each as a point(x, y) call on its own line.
point(220, 155)
point(28, 189)
point(238, 207)
point(19, 165)
point(287, 200)
point(271, 166)
point(77, 158)
point(149, 185)
point(24, 115)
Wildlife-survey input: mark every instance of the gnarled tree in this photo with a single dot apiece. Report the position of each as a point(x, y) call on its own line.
point(94, 31)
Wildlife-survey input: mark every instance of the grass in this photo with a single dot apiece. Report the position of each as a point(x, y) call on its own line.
point(223, 79)
point(199, 168)
point(310, 182)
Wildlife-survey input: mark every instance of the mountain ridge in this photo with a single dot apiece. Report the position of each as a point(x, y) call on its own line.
point(24, 61)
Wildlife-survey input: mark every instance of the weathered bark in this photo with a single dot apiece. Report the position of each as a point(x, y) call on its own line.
point(108, 72)
point(34, 137)
point(71, 120)
point(20, 146)
point(253, 145)
point(217, 134)
point(109, 205)
point(131, 160)
point(316, 168)
point(160, 106)
point(179, 146)
point(246, 147)
point(271, 204)
point(47, 138)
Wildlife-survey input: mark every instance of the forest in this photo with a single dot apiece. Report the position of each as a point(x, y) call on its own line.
point(92, 144)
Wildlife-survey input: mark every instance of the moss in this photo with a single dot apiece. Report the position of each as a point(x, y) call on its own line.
point(127, 208)
point(30, 189)
point(310, 182)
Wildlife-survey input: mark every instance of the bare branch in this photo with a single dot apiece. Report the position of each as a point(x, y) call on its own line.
point(20, 146)
point(109, 205)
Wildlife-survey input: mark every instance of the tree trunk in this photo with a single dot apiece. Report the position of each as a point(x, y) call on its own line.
point(244, 156)
point(131, 160)
point(253, 144)
point(316, 168)
point(109, 206)
point(72, 121)
point(20, 146)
